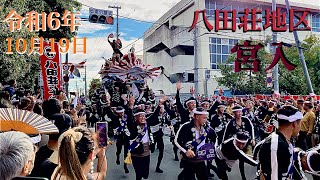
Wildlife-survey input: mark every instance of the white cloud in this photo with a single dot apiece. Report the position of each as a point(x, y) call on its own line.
point(87, 27)
point(147, 10)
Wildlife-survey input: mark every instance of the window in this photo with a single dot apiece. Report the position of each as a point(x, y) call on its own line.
point(219, 49)
point(212, 5)
point(315, 23)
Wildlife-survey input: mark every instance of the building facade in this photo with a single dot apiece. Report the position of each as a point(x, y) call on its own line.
point(168, 43)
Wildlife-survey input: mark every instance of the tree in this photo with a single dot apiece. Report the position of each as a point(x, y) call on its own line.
point(245, 82)
point(291, 82)
point(17, 66)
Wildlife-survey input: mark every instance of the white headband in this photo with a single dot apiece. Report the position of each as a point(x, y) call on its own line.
point(187, 102)
point(233, 110)
point(200, 112)
point(241, 141)
point(138, 113)
point(120, 111)
point(310, 153)
point(298, 115)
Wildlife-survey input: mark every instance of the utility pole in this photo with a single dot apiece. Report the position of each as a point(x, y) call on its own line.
point(276, 67)
point(117, 8)
point(196, 68)
point(85, 81)
point(301, 56)
point(77, 86)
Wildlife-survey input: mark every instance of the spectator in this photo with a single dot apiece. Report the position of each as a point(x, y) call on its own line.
point(63, 122)
point(93, 116)
point(17, 155)
point(61, 96)
point(32, 103)
point(24, 103)
point(38, 109)
point(11, 88)
point(5, 100)
point(307, 125)
point(77, 151)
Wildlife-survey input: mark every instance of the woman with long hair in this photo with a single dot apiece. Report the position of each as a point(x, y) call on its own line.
point(77, 151)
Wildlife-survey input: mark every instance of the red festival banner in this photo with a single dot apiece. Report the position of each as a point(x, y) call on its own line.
point(50, 68)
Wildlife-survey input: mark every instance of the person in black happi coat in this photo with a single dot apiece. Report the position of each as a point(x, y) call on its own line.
point(219, 120)
point(185, 114)
point(230, 151)
point(175, 120)
point(240, 124)
point(190, 137)
point(119, 123)
point(141, 139)
point(276, 153)
point(157, 128)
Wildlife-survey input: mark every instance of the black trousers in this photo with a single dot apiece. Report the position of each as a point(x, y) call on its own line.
point(158, 140)
point(141, 166)
point(220, 136)
point(122, 141)
point(190, 169)
point(301, 141)
point(315, 177)
point(222, 169)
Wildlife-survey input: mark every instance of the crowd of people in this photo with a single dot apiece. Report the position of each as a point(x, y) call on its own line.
point(67, 155)
point(279, 137)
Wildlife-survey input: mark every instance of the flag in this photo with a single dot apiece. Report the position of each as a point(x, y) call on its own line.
point(135, 91)
point(71, 76)
point(76, 72)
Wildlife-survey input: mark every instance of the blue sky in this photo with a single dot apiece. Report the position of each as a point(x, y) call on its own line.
point(129, 30)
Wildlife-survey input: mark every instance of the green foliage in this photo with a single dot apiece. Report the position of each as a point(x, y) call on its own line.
point(25, 68)
point(292, 82)
point(246, 82)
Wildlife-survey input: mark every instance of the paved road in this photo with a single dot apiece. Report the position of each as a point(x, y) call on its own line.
point(169, 166)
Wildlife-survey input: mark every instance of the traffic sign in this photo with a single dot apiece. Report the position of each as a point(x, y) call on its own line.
point(100, 16)
point(269, 79)
point(269, 82)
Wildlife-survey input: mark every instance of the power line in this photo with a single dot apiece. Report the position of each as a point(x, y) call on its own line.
point(153, 22)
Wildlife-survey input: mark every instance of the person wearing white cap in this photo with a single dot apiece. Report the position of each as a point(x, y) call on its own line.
point(205, 104)
point(240, 124)
point(189, 139)
point(230, 151)
point(276, 153)
point(120, 124)
point(175, 120)
point(157, 128)
point(141, 141)
point(191, 103)
point(219, 121)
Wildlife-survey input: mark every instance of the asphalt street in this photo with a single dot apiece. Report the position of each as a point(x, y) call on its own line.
point(169, 166)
